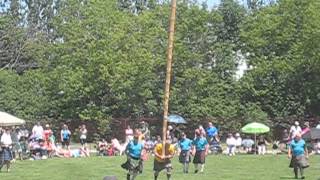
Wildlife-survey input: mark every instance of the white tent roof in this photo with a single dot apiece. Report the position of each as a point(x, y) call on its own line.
point(10, 120)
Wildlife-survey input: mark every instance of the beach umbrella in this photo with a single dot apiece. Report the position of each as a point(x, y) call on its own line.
point(173, 118)
point(10, 120)
point(312, 134)
point(255, 128)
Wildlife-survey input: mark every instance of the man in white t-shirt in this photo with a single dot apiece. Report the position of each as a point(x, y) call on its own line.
point(37, 131)
point(295, 129)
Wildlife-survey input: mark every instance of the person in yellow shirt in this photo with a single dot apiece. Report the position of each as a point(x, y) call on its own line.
point(163, 162)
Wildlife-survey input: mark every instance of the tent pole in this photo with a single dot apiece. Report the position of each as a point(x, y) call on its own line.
point(255, 143)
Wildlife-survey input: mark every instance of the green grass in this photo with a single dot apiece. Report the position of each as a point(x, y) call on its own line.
point(242, 167)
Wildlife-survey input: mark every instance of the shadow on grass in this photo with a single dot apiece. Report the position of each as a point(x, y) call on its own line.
point(287, 177)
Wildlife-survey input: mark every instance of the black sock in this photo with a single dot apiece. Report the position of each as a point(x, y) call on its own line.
point(168, 176)
point(155, 177)
point(128, 176)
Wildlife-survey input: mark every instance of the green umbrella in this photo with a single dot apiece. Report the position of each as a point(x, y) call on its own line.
point(255, 128)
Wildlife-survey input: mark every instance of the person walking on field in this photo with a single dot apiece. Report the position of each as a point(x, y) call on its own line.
point(163, 162)
point(185, 145)
point(65, 136)
point(200, 151)
point(134, 161)
point(298, 153)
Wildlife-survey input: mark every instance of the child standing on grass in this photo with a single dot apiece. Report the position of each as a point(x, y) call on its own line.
point(299, 154)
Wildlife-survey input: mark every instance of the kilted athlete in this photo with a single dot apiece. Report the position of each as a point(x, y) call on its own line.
point(200, 151)
point(134, 162)
point(163, 162)
point(185, 145)
point(6, 149)
point(299, 154)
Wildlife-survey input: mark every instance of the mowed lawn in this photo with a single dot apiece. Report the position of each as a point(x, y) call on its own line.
point(242, 167)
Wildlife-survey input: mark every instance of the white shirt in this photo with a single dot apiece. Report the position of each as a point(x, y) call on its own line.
point(83, 133)
point(6, 139)
point(238, 141)
point(37, 131)
point(231, 141)
point(294, 130)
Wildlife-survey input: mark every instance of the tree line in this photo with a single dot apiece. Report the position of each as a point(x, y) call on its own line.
point(100, 60)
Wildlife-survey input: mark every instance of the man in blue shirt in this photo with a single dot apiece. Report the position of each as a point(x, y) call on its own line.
point(134, 162)
point(185, 145)
point(200, 147)
point(212, 132)
point(299, 154)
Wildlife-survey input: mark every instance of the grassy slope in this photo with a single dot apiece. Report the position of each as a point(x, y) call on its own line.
point(244, 167)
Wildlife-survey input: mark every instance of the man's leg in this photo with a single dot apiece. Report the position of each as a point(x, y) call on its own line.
point(186, 167)
point(202, 167)
point(196, 168)
point(301, 172)
point(156, 174)
point(168, 173)
point(295, 170)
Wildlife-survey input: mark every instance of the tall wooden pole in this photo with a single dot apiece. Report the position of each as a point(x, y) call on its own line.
point(168, 74)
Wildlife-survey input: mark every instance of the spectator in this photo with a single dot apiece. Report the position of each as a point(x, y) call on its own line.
point(295, 129)
point(83, 135)
point(305, 129)
point(247, 143)
point(6, 153)
point(65, 136)
point(37, 131)
point(231, 145)
point(262, 145)
point(238, 140)
point(284, 140)
point(144, 128)
point(129, 134)
point(212, 132)
point(23, 132)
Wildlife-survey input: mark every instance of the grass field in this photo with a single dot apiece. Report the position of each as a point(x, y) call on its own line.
point(242, 167)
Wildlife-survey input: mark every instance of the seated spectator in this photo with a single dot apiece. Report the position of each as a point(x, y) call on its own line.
point(231, 145)
point(247, 144)
point(102, 147)
point(117, 146)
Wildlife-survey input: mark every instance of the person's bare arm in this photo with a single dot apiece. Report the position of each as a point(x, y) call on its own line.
point(289, 153)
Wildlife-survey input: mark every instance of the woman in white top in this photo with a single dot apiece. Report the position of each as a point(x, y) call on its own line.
point(6, 152)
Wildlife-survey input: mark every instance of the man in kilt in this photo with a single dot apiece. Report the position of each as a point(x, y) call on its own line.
point(163, 162)
point(299, 154)
point(200, 151)
point(185, 145)
point(134, 161)
point(6, 149)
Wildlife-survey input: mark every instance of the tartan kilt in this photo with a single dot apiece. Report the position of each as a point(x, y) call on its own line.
point(159, 166)
point(185, 156)
point(133, 164)
point(299, 161)
point(199, 157)
point(5, 154)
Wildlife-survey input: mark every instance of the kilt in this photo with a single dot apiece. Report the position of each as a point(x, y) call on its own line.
point(159, 166)
point(199, 157)
point(184, 156)
point(299, 162)
point(133, 165)
point(5, 154)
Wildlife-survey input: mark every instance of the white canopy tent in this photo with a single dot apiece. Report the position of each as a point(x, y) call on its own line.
point(10, 120)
